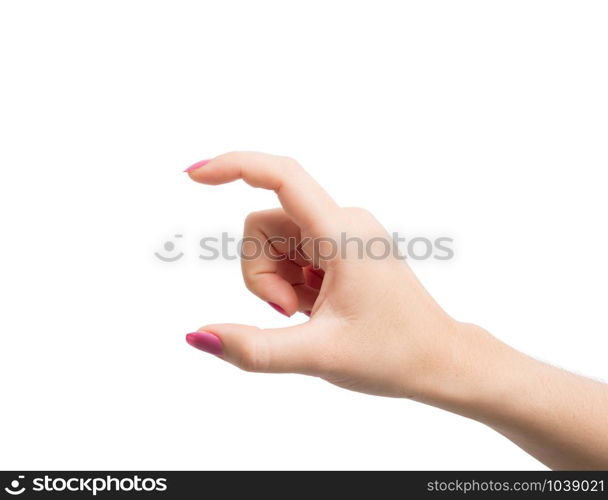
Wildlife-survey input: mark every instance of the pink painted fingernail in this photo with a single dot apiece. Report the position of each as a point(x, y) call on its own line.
point(198, 164)
point(308, 313)
point(205, 341)
point(278, 308)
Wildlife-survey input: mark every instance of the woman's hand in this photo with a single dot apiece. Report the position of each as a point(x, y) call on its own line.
point(373, 328)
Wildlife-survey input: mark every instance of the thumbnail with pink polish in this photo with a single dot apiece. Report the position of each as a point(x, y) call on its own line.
point(198, 164)
point(205, 341)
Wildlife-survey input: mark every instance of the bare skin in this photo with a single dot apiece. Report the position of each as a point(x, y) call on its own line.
point(375, 329)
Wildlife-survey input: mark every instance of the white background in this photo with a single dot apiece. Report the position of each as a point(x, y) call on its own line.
point(484, 121)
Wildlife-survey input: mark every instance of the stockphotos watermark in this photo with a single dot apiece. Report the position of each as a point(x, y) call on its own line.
point(224, 246)
point(88, 485)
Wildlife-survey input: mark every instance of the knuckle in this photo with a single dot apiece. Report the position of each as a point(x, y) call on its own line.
point(253, 357)
point(229, 155)
point(253, 218)
point(260, 218)
point(289, 164)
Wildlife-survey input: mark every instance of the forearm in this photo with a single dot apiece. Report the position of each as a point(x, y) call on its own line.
point(558, 417)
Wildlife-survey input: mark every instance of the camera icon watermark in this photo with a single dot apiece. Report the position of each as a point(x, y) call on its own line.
point(169, 253)
point(15, 487)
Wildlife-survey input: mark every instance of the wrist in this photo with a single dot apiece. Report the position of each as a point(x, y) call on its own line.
point(472, 375)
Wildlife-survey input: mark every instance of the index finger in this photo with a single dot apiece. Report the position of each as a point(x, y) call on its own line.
point(304, 200)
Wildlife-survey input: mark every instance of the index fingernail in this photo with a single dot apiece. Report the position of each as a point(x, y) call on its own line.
point(198, 164)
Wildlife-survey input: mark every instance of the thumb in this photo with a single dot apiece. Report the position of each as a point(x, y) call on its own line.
point(278, 350)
